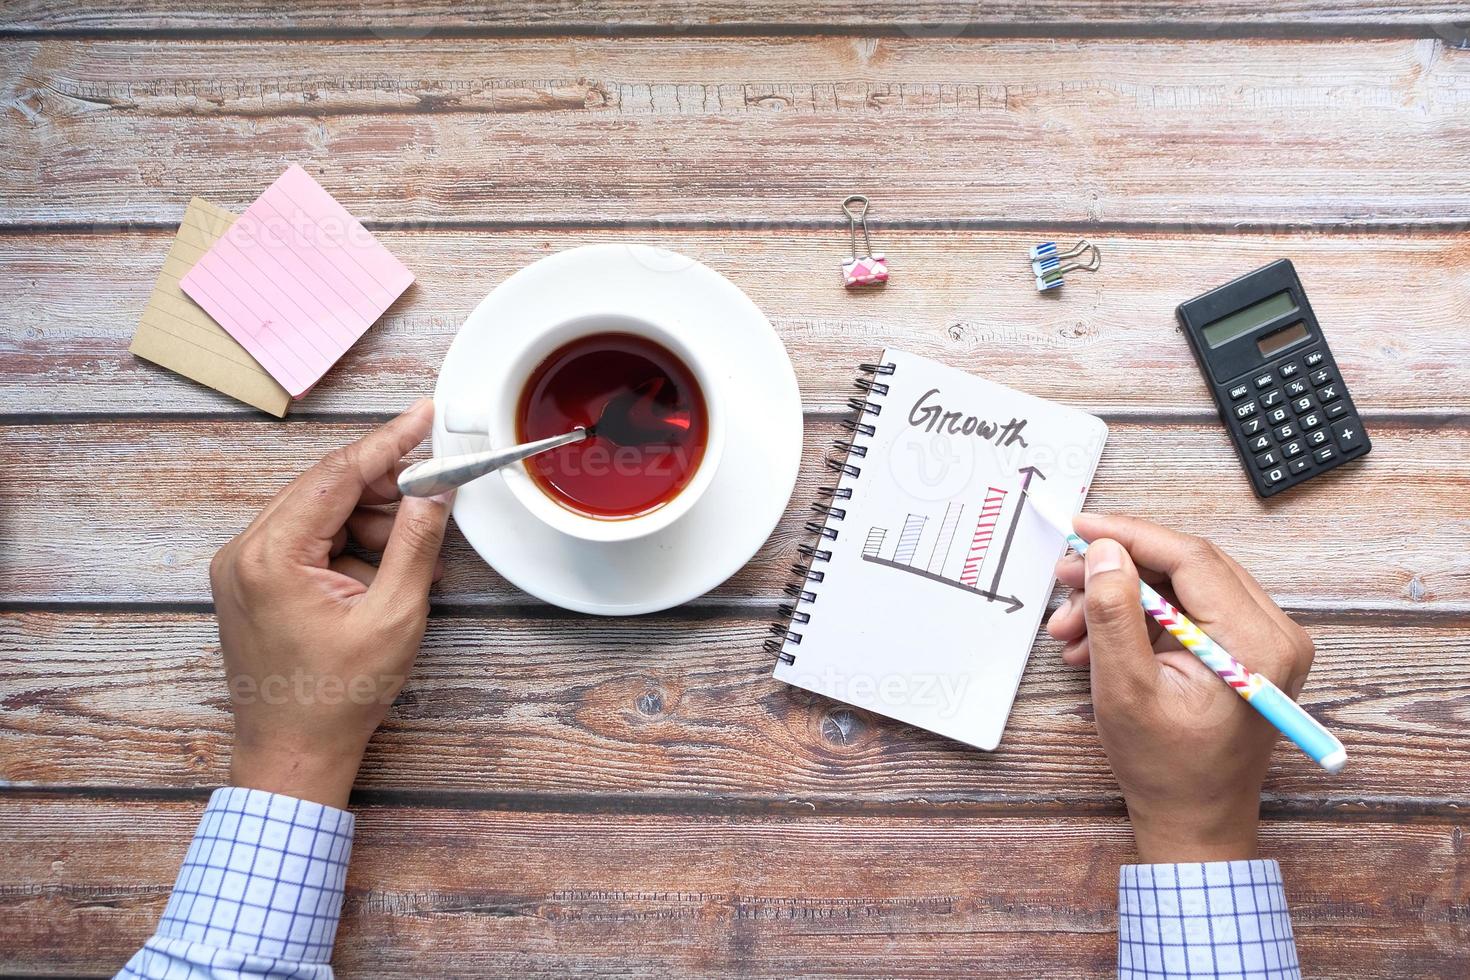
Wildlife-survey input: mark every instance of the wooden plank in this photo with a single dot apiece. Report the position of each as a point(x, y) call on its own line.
point(756, 130)
point(387, 18)
point(129, 512)
point(674, 708)
point(436, 892)
point(1393, 307)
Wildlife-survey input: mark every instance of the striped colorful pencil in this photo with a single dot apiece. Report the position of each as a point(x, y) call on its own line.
point(1273, 703)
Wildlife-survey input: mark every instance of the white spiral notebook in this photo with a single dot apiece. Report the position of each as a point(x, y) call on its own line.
point(924, 589)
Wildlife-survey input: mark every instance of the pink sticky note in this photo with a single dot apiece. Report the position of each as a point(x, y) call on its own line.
point(296, 280)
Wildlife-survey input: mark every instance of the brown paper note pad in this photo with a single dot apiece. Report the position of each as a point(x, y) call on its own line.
point(176, 333)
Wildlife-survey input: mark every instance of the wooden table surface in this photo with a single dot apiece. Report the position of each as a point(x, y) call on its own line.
point(557, 795)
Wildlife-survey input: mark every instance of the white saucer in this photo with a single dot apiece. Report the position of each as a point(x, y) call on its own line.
point(756, 474)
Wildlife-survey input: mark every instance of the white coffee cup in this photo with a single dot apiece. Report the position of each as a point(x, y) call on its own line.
point(491, 415)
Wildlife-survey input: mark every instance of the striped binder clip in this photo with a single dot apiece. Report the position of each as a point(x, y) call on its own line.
point(869, 269)
point(1047, 262)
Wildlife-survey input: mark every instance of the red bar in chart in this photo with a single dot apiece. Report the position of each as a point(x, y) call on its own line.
point(984, 531)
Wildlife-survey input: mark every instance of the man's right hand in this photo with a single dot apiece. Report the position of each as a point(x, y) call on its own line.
point(1189, 753)
point(318, 642)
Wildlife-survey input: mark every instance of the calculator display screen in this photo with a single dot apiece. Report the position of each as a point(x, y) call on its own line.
point(1242, 322)
point(1278, 340)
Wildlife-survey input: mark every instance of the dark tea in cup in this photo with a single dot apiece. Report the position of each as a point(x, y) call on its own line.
point(632, 465)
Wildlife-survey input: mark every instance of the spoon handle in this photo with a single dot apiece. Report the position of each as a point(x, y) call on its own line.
point(447, 472)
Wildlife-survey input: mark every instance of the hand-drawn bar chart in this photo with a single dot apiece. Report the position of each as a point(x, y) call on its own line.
point(910, 542)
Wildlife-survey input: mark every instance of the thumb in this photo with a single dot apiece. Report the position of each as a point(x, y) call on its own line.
point(1117, 635)
point(407, 569)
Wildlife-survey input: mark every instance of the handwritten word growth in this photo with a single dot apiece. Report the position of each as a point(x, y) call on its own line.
point(932, 417)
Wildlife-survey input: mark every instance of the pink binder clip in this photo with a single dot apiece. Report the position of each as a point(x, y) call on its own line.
point(869, 269)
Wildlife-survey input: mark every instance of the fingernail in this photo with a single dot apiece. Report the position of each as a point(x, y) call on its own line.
point(446, 498)
point(1067, 605)
point(1104, 555)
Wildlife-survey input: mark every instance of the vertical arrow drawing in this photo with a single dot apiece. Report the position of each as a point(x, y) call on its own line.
point(1027, 472)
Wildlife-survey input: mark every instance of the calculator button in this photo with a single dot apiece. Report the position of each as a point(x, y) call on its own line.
point(1328, 394)
point(1349, 434)
point(1313, 358)
point(1239, 392)
point(1310, 421)
point(1321, 377)
point(1277, 415)
point(1292, 449)
point(1299, 465)
point(1289, 369)
point(1284, 432)
point(1296, 389)
point(1245, 410)
point(1337, 409)
point(1259, 443)
point(1325, 455)
point(1318, 438)
point(1275, 476)
point(1266, 460)
point(1303, 404)
point(1265, 380)
point(1271, 398)
point(1251, 426)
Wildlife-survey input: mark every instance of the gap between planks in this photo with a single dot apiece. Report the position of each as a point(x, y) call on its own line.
point(706, 609)
point(1363, 30)
point(817, 413)
point(1396, 811)
point(1386, 227)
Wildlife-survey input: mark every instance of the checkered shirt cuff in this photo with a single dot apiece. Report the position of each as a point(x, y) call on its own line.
point(1224, 919)
point(262, 883)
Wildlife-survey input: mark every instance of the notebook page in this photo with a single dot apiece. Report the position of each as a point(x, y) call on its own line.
point(297, 280)
point(939, 576)
point(176, 333)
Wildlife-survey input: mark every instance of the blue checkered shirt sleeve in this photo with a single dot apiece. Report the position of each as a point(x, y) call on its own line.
point(1224, 919)
point(259, 893)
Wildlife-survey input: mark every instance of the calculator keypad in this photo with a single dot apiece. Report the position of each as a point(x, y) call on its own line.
point(1295, 419)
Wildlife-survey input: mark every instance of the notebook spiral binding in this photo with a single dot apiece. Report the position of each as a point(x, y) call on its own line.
point(844, 460)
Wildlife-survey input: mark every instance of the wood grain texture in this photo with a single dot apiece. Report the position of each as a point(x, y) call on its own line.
point(649, 895)
point(921, 17)
point(1108, 343)
point(669, 711)
point(122, 512)
point(755, 130)
point(565, 796)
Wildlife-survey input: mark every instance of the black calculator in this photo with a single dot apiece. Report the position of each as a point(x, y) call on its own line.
point(1274, 378)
